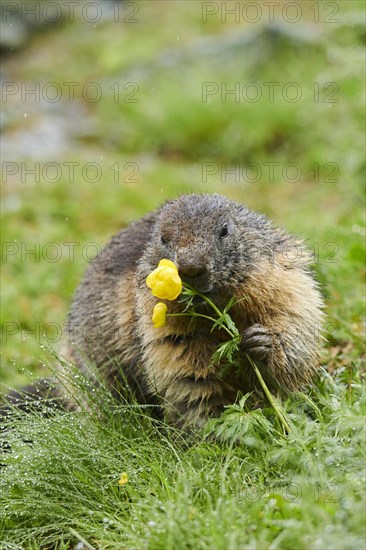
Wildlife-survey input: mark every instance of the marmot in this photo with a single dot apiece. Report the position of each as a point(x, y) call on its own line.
point(224, 250)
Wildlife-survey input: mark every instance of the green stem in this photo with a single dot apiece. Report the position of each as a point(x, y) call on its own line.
point(312, 404)
point(269, 396)
point(207, 300)
point(191, 315)
point(195, 314)
point(213, 306)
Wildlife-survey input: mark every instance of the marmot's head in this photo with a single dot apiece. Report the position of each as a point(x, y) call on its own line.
point(214, 241)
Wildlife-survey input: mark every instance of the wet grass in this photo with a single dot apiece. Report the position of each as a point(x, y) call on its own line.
point(251, 488)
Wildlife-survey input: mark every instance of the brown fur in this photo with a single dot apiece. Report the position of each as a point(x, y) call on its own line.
point(279, 308)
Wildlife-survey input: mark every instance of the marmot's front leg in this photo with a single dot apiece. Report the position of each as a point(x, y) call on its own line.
point(280, 354)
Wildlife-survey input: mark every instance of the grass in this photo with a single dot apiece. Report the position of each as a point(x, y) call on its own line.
point(240, 484)
point(251, 488)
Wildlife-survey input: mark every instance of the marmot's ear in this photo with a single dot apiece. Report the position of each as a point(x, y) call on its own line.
point(162, 206)
point(165, 203)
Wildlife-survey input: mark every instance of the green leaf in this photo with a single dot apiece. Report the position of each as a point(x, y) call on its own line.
point(230, 304)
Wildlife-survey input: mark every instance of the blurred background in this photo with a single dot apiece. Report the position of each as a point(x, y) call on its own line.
point(109, 108)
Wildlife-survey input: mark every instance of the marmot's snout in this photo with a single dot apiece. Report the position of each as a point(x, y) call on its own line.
point(193, 268)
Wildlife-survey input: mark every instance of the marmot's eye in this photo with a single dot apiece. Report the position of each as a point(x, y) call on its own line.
point(163, 240)
point(224, 231)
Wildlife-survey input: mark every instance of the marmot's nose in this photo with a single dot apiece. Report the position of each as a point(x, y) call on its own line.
point(192, 269)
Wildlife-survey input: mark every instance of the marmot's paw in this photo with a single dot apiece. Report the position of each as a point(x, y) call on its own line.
point(257, 341)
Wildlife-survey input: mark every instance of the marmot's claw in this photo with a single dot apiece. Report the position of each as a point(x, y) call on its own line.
point(257, 341)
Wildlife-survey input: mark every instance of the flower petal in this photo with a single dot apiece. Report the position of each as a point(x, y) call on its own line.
point(159, 315)
point(123, 479)
point(168, 263)
point(164, 281)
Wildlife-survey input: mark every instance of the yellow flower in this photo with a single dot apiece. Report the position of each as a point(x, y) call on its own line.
point(164, 281)
point(123, 479)
point(159, 315)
